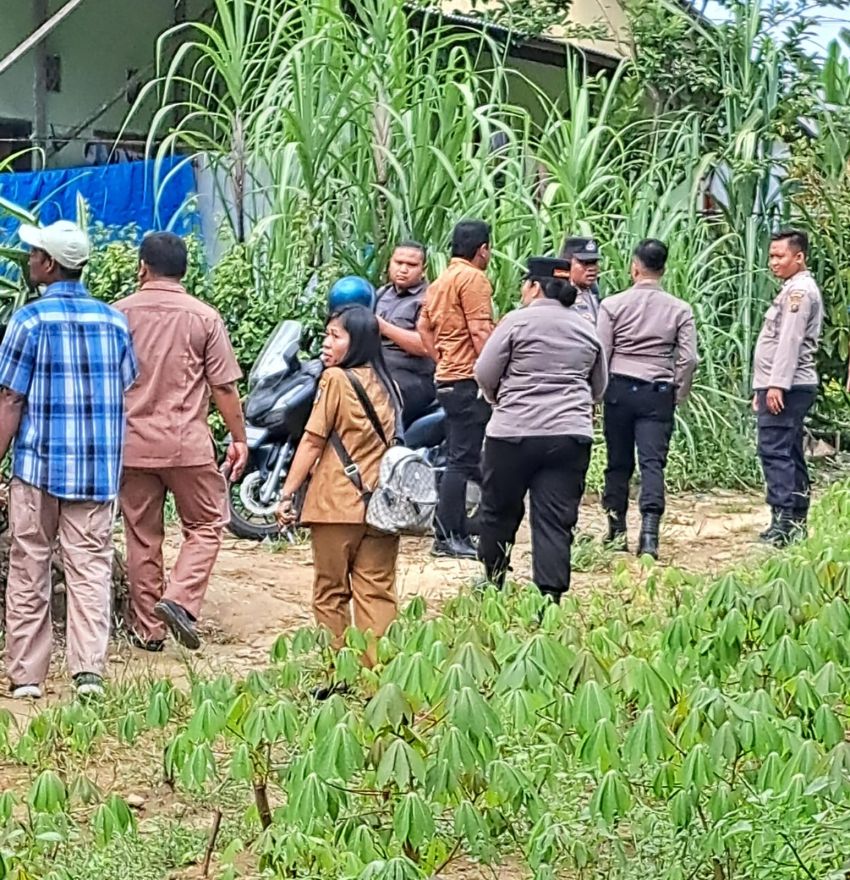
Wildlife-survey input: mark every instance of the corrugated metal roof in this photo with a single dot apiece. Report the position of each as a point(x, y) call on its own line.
point(507, 33)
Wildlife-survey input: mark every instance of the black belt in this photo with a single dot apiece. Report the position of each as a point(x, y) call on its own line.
point(657, 385)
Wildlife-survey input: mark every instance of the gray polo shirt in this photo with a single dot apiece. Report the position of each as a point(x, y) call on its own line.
point(401, 308)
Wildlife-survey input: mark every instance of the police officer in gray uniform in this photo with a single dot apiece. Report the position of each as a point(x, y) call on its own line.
point(583, 255)
point(785, 384)
point(649, 339)
point(542, 369)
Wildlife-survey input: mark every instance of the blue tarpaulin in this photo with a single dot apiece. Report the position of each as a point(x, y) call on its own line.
point(148, 194)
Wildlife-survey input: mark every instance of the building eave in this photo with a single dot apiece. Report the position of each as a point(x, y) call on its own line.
point(541, 48)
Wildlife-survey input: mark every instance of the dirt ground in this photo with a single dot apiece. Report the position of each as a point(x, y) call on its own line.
point(260, 590)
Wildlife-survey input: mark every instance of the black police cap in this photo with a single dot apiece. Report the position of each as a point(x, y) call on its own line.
point(585, 250)
point(548, 267)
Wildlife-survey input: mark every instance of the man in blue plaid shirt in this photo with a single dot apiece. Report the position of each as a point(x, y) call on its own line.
point(65, 363)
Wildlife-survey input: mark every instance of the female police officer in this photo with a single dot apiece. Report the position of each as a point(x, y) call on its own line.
point(542, 369)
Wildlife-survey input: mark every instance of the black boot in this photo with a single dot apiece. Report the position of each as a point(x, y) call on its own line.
point(616, 531)
point(774, 515)
point(799, 523)
point(454, 547)
point(554, 595)
point(648, 541)
point(782, 532)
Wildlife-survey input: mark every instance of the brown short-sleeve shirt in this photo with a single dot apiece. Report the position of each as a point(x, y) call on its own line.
point(183, 350)
point(461, 294)
point(331, 496)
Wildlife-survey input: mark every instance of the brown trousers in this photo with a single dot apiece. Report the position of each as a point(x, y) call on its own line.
point(200, 494)
point(352, 563)
point(84, 530)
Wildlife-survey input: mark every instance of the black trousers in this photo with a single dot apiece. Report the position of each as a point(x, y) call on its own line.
point(637, 414)
point(467, 415)
point(552, 470)
point(780, 448)
point(417, 394)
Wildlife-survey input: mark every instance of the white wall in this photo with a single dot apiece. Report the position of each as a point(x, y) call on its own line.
point(97, 43)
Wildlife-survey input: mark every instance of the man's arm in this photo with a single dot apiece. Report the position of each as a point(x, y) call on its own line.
point(409, 341)
point(226, 398)
point(599, 377)
point(11, 411)
point(605, 332)
point(476, 300)
point(493, 360)
point(222, 373)
point(686, 359)
point(479, 333)
point(425, 329)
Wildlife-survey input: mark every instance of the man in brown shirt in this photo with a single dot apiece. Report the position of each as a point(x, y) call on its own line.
point(185, 357)
point(455, 322)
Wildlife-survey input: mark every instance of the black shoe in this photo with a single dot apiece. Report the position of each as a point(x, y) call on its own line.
point(774, 514)
point(799, 523)
point(179, 621)
point(648, 540)
point(88, 685)
point(454, 548)
point(553, 595)
point(799, 528)
point(782, 532)
point(326, 691)
point(616, 539)
point(154, 646)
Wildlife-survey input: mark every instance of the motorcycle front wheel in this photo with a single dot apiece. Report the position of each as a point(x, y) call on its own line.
point(249, 517)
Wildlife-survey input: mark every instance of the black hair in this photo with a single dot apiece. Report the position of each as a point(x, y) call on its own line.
point(413, 246)
point(468, 236)
point(652, 255)
point(366, 350)
point(559, 289)
point(164, 253)
point(796, 238)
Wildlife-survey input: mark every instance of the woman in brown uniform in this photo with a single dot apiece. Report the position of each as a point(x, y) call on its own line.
point(351, 562)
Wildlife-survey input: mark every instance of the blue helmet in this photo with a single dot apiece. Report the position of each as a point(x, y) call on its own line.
point(352, 290)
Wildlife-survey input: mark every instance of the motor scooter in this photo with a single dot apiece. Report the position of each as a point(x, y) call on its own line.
point(281, 389)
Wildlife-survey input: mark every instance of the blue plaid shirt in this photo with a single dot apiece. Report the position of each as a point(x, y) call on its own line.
point(71, 357)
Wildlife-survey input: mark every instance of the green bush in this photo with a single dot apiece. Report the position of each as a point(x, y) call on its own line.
point(251, 291)
point(111, 273)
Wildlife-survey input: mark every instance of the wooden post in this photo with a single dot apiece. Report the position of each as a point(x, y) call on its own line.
point(37, 35)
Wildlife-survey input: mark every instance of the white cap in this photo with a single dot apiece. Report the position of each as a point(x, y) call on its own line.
point(63, 240)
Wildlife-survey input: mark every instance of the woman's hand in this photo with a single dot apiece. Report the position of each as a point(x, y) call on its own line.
point(286, 514)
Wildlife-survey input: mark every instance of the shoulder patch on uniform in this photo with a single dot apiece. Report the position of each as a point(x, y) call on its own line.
point(795, 297)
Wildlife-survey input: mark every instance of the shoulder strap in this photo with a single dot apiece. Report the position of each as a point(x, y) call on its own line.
point(349, 466)
point(360, 391)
